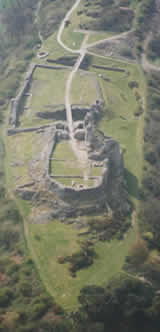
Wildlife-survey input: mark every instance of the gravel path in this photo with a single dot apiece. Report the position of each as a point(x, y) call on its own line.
point(62, 26)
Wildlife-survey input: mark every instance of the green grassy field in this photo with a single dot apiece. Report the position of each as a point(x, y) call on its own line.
point(51, 46)
point(72, 39)
point(84, 90)
point(47, 89)
point(119, 120)
point(55, 239)
point(64, 163)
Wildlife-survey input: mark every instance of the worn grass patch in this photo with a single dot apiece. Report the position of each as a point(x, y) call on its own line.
point(22, 148)
point(100, 35)
point(55, 239)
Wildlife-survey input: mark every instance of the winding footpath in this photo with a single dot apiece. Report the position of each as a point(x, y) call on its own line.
point(82, 52)
point(147, 66)
point(79, 150)
point(62, 26)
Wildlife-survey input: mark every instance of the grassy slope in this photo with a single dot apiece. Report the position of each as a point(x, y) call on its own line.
point(120, 101)
point(73, 39)
point(56, 239)
point(111, 255)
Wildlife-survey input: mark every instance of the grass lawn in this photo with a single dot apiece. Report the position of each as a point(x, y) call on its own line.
point(72, 39)
point(47, 89)
point(66, 165)
point(84, 89)
point(51, 46)
point(55, 239)
point(64, 151)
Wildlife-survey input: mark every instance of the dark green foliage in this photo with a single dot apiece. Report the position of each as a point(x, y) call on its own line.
point(6, 296)
point(150, 207)
point(51, 13)
point(65, 60)
point(150, 157)
point(125, 304)
point(87, 61)
point(109, 16)
point(133, 84)
point(154, 48)
point(106, 228)
point(145, 11)
point(18, 16)
point(81, 259)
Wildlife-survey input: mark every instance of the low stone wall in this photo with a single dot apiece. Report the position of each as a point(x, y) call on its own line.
point(74, 177)
point(50, 67)
point(14, 131)
point(79, 197)
point(109, 68)
point(16, 102)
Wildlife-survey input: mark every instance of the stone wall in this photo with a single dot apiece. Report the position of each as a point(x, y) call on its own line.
point(14, 131)
point(15, 103)
point(77, 199)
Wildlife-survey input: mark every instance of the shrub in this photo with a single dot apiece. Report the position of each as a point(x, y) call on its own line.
point(150, 156)
point(133, 84)
point(138, 253)
point(6, 295)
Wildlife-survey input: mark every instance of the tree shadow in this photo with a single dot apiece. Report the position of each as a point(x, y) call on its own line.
point(132, 184)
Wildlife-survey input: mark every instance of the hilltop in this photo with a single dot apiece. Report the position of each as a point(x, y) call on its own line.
point(79, 111)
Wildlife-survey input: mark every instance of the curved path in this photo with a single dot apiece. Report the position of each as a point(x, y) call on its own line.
point(147, 66)
point(120, 35)
point(82, 52)
point(62, 26)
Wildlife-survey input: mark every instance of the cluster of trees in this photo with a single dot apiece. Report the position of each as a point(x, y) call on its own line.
point(18, 17)
point(143, 257)
point(109, 16)
point(18, 36)
point(51, 13)
point(24, 303)
point(81, 259)
point(154, 48)
point(144, 15)
point(151, 183)
point(126, 304)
